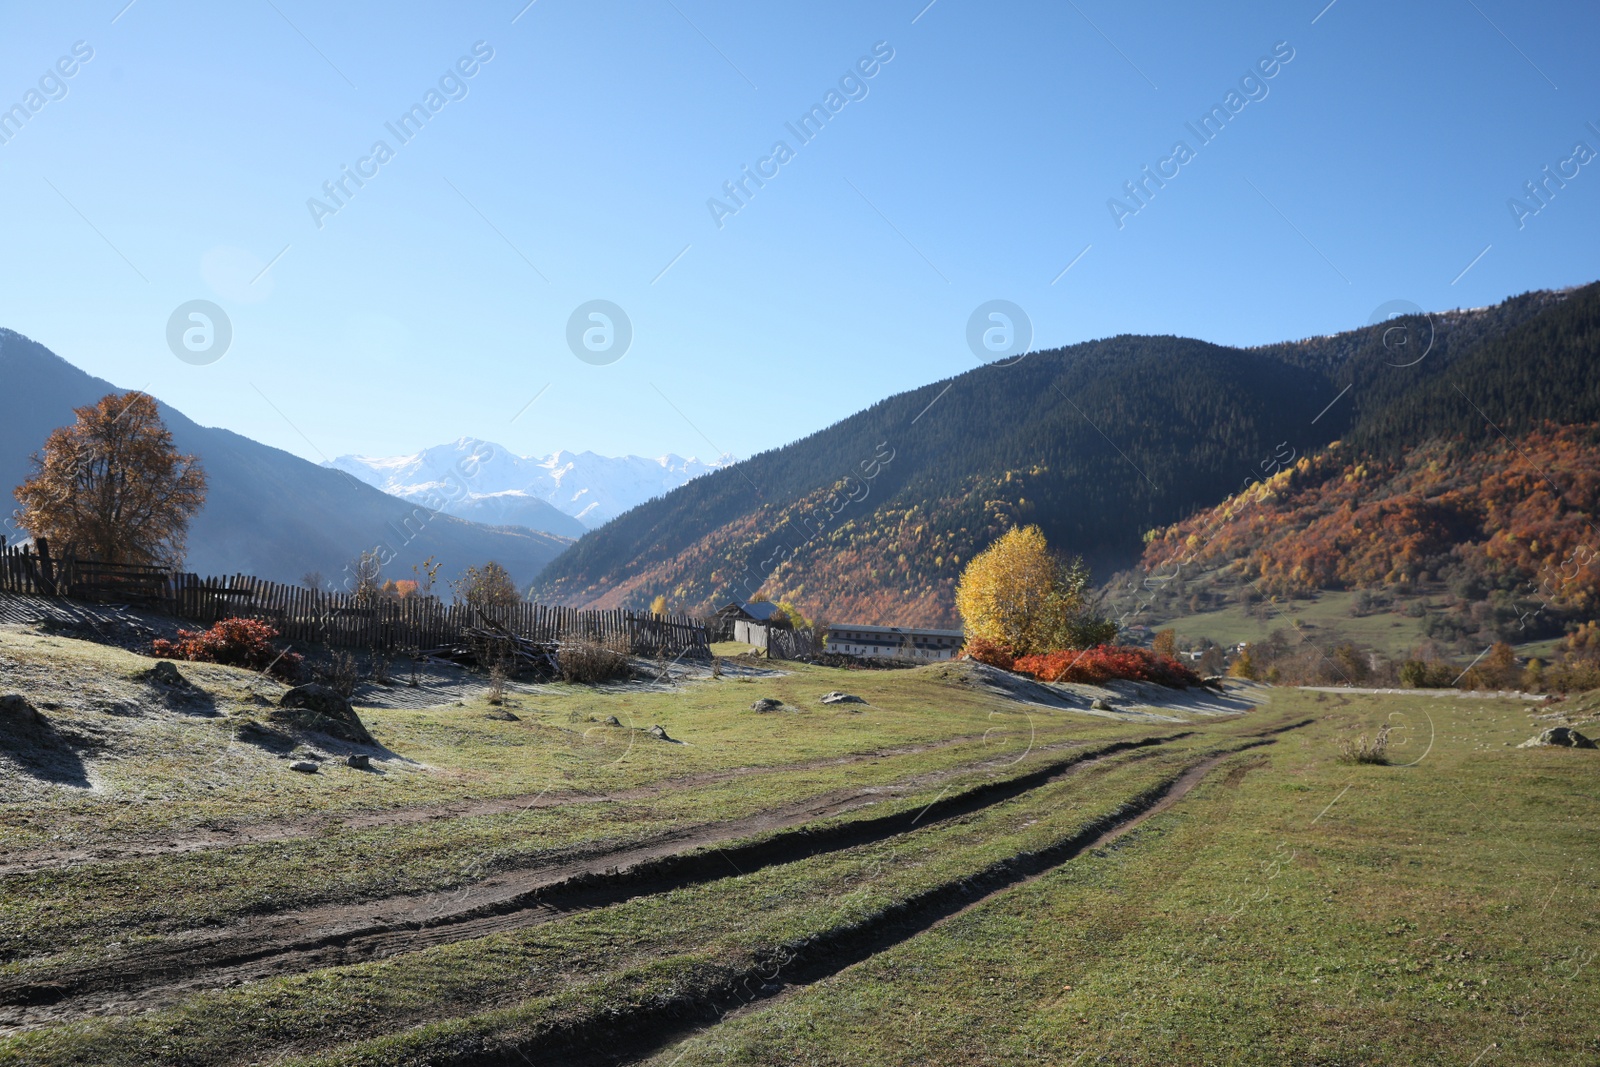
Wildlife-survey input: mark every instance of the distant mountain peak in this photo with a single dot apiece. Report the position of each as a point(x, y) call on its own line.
point(564, 493)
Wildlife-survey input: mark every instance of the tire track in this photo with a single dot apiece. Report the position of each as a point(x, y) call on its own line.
point(653, 1026)
point(310, 939)
point(221, 837)
point(834, 951)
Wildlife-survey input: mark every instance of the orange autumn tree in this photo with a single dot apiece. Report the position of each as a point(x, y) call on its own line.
point(112, 487)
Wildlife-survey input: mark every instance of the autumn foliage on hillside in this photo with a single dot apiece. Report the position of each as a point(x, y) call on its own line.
point(1512, 517)
point(870, 561)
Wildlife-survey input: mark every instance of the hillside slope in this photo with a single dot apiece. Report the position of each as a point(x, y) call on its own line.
point(267, 513)
point(872, 518)
point(1466, 503)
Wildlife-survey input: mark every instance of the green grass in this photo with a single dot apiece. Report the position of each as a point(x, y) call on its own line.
point(1311, 913)
point(1292, 908)
point(165, 771)
point(74, 911)
point(575, 971)
point(1322, 618)
point(176, 773)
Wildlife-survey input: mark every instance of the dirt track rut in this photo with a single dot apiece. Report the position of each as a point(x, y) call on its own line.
point(637, 1036)
point(232, 836)
point(308, 939)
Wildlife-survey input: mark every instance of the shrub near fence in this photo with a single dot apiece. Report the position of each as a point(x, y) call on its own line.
point(339, 619)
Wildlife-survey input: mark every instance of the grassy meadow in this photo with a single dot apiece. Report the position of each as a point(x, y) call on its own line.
point(946, 884)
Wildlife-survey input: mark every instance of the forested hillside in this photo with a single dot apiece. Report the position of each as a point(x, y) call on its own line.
point(1466, 503)
point(872, 518)
point(1497, 535)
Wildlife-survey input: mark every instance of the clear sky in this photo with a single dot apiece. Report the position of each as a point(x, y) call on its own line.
point(576, 163)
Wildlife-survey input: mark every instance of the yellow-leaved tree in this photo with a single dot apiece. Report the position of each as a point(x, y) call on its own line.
point(1017, 594)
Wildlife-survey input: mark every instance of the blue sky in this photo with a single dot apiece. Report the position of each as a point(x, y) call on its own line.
point(577, 164)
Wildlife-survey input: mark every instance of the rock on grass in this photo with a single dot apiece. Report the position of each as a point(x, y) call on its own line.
point(1558, 737)
point(316, 707)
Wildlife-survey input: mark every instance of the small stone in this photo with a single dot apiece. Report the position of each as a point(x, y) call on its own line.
point(658, 733)
point(359, 760)
point(837, 697)
point(503, 716)
point(304, 766)
point(1101, 704)
point(165, 673)
point(766, 704)
point(611, 720)
point(1558, 736)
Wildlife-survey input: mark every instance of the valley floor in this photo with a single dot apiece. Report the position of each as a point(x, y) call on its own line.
point(957, 870)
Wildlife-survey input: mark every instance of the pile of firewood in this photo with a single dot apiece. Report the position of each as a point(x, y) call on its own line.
point(492, 645)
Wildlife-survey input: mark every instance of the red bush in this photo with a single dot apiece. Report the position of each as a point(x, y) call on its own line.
point(234, 643)
point(1094, 666)
point(994, 654)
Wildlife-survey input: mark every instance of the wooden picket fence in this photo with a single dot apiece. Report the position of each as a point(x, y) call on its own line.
point(23, 571)
point(338, 619)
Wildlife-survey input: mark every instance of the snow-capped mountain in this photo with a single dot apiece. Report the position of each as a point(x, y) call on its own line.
point(564, 493)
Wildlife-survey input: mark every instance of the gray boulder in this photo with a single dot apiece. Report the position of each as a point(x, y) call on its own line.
point(359, 760)
point(766, 704)
point(837, 697)
point(1101, 704)
point(1558, 736)
point(316, 707)
point(304, 766)
point(658, 733)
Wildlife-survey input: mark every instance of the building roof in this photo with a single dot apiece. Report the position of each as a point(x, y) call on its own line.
point(757, 610)
point(895, 631)
point(761, 610)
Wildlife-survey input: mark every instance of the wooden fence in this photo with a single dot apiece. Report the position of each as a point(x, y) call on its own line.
point(338, 619)
point(23, 571)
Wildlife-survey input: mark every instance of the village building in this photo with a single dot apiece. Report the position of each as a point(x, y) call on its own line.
point(762, 611)
point(749, 621)
point(894, 642)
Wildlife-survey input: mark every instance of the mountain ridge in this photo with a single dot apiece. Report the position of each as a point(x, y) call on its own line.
point(1098, 442)
point(267, 513)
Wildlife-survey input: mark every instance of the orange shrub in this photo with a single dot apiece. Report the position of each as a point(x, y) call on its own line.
point(994, 654)
point(235, 643)
point(1094, 666)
